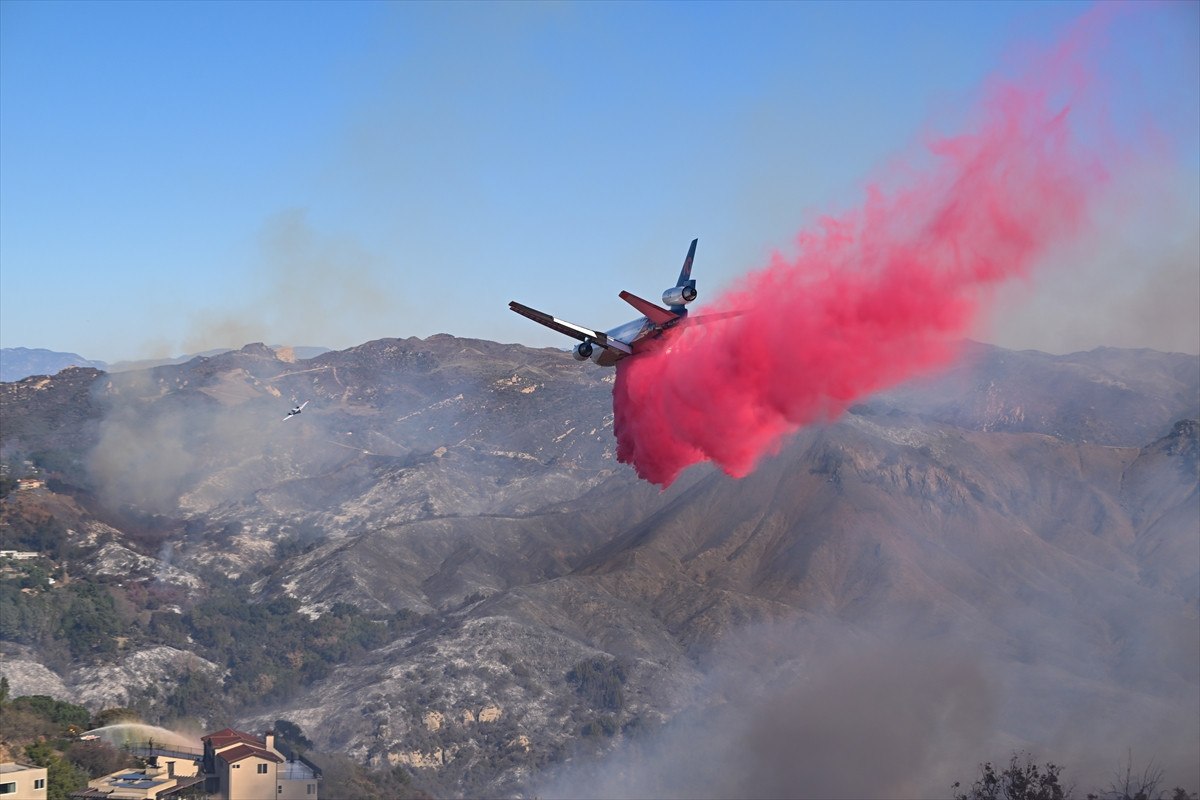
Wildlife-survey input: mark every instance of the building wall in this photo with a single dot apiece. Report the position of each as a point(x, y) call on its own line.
point(183, 767)
point(297, 790)
point(23, 778)
point(245, 782)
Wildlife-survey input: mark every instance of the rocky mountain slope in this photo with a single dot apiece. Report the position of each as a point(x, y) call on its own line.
point(1036, 516)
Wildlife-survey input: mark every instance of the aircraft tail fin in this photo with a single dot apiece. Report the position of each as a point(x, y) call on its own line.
point(685, 274)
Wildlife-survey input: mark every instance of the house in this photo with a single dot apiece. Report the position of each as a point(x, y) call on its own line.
point(241, 766)
point(22, 782)
point(232, 766)
point(164, 778)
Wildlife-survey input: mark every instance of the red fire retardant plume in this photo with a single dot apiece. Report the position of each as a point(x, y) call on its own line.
point(873, 297)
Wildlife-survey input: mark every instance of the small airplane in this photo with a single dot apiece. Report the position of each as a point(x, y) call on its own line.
point(608, 347)
point(295, 410)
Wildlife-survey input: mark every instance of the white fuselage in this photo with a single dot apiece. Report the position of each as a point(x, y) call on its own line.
point(631, 331)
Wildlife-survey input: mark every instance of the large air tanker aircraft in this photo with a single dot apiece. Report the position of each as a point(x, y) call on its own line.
point(608, 347)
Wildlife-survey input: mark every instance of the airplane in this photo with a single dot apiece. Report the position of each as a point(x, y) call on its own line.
point(295, 410)
point(606, 348)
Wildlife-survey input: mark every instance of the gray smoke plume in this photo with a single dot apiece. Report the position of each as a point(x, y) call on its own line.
point(829, 710)
point(166, 448)
point(1133, 283)
point(305, 287)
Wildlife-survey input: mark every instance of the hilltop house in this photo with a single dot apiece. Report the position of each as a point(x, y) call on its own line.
point(22, 782)
point(233, 766)
point(241, 766)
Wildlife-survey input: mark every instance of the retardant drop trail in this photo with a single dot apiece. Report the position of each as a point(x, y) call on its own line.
point(874, 297)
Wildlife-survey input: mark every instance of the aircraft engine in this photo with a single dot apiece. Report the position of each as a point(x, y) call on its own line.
point(583, 351)
point(679, 295)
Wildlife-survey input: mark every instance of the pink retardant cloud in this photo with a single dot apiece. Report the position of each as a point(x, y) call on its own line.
point(874, 296)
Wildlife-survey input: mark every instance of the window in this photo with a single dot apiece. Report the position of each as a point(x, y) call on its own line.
point(39, 783)
point(279, 788)
point(237, 766)
point(312, 788)
point(262, 769)
point(8, 788)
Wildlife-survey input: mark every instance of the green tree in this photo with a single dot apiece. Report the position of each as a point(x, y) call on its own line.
point(63, 778)
point(91, 624)
point(196, 693)
point(59, 712)
point(291, 733)
point(40, 754)
point(599, 681)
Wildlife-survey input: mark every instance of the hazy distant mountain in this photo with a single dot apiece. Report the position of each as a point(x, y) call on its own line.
point(287, 353)
point(1005, 556)
point(21, 362)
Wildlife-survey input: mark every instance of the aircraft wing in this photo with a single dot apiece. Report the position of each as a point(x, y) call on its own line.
point(295, 411)
point(569, 328)
point(652, 312)
point(716, 316)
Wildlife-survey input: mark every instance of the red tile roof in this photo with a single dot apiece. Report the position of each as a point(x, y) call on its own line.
point(228, 736)
point(243, 751)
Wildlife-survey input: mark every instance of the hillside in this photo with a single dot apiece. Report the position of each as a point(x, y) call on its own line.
point(470, 586)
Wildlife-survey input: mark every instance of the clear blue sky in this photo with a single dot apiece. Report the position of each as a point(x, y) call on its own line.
point(177, 176)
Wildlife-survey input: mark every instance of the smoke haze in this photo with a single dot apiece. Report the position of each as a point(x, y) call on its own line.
point(1132, 283)
point(303, 287)
point(163, 446)
point(875, 296)
point(823, 708)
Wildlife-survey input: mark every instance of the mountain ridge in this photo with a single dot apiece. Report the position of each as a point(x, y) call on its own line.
point(21, 362)
point(470, 489)
point(17, 363)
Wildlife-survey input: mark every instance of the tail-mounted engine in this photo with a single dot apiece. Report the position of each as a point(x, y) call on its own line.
point(680, 295)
